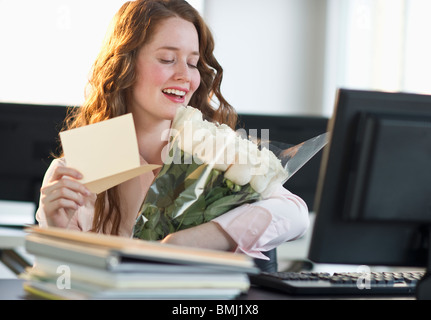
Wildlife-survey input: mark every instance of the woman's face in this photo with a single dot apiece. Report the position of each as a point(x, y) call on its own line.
point(167, 74)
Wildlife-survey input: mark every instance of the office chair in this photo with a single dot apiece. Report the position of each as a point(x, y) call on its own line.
point(268, 265)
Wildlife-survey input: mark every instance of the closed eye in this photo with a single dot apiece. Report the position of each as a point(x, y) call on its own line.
point(166, 61)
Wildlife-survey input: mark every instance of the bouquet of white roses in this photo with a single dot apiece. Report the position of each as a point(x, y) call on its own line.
point(210, 169)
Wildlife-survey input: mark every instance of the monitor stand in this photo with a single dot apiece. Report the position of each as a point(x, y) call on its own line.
point(423, 288)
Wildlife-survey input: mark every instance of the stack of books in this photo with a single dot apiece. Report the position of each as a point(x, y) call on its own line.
point(77, 265)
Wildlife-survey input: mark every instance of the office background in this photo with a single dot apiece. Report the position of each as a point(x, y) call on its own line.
point(283, 57)
point(279, 56)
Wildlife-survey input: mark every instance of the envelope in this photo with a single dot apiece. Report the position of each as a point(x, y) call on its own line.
point(106, 153)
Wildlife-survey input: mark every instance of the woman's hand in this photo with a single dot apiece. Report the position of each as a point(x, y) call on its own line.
point(208, 235)
point(62, 195)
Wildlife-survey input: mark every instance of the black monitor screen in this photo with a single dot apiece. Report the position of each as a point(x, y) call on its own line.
point(373, 202)
point(28, 137)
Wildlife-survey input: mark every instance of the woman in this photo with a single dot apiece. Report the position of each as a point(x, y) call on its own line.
point(157, 57)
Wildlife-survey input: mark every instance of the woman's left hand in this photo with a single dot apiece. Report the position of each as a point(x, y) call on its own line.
point(208, 235)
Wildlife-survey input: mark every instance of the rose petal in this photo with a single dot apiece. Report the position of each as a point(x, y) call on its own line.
point(239, 174)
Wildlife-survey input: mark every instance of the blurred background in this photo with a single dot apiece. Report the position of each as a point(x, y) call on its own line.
point(280, 56)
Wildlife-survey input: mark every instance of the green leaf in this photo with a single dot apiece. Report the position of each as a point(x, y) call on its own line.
point(165, 194)
point(227, 203)
point(193, 216)
point(216, 194)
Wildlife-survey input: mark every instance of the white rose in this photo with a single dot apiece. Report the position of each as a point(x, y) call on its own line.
point(240, 172)
point(225, 141)
point(260, 182)
point(263, 172)
point(192, 132)
point(182, 127)
point(184, 114)
point(213, 144)
point(203, 145)
point(280, 175)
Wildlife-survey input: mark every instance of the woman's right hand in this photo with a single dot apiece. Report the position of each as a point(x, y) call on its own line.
point(62, 195)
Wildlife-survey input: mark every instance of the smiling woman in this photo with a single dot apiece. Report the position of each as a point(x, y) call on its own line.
point(131, 75)
point(158, 57)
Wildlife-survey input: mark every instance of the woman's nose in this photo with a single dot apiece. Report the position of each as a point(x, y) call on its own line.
point(182, 72)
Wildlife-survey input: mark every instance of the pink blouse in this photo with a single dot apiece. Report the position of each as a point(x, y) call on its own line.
point(256, 227)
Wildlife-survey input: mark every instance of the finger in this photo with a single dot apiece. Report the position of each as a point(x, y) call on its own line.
point(62, 198)
point(56, 208)
point(64, 182)
point(64, 205)
point(60, 172)
point(65, 188)
point(65, 193)
point(74, 185)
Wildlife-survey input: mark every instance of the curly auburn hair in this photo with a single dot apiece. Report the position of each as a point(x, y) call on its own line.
point(114, 74)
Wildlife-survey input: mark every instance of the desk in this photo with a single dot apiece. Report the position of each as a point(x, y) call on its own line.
point(12, 289)
point(10, 240)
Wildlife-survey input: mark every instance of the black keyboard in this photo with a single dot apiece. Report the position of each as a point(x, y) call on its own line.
point(345, 283)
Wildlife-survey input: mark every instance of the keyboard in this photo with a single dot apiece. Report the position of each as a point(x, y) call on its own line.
point(344, 283)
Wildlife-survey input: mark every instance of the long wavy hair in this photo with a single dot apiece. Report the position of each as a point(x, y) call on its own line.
point(114, 74)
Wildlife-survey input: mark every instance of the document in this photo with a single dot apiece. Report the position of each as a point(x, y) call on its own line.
point(106, 153)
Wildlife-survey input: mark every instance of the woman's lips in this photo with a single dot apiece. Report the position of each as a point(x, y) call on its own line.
point(174, 98)
point(176, 95)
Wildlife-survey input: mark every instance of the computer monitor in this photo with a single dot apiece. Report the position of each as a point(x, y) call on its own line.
point(28, 137)
point(373, 200)
point(291, 130)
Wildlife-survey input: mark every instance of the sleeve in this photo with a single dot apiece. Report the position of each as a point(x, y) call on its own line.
point(81, 220)
point(264, 225)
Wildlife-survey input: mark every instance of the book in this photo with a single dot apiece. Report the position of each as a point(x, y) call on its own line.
point(119, 253)
point(101, 266)
point(49, 290)
point(51, 268)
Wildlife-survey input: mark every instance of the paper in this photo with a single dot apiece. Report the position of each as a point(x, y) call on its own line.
point(106, 153)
